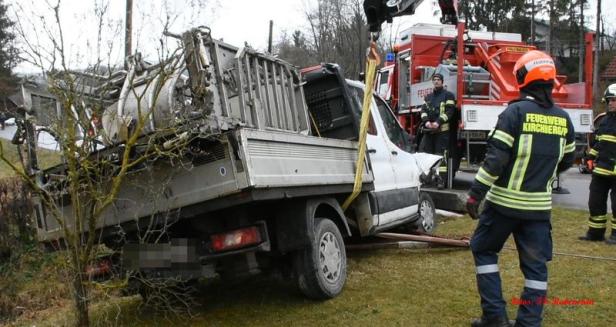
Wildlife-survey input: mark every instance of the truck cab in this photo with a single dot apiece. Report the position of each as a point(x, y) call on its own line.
point(397, 171)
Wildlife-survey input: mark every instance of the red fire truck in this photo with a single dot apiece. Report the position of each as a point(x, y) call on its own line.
point(478, 68)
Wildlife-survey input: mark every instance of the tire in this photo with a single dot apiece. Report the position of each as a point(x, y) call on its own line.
point(426, 224)
point(321, 268)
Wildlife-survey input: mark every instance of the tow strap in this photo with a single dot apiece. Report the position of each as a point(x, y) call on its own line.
point(372, 61)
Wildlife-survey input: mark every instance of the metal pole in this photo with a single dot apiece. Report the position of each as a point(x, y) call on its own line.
point(581, 45)
point(595, 80)
point(423, 238)
point(589, 65)
point(449, 172)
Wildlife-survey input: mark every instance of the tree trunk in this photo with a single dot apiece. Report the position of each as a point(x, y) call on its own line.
point(595, 75)
point(81, 300)
point(582, 44)
point(532, 22)
point(550, 26)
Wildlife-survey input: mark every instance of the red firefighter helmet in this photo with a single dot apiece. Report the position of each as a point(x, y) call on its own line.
point(534, 66)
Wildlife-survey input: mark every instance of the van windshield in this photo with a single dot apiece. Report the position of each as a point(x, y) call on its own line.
point(395, 133)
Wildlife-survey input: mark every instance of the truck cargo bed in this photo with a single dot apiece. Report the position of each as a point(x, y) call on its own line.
point(241, 166)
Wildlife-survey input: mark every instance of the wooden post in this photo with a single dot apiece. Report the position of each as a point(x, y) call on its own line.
point(128, 31)
point(269, 41)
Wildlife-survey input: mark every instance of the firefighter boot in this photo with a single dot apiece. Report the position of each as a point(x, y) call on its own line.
point(594, 235)
point(612, 239)
point(492, 322)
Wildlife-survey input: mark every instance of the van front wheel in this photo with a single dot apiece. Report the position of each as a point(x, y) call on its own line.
point(426, 224)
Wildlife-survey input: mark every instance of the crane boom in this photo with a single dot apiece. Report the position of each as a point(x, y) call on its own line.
point(380, 11)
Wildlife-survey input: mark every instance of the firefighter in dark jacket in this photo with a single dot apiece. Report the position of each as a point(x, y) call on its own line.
point(437, 114)
point(532, 142)
point(603, 161)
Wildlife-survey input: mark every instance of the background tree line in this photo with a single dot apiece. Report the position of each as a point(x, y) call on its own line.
point(335, 31)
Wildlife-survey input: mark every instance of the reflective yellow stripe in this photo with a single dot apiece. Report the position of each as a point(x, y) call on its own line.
point(515, 204)
point(485, 178)
point(442, 169)
point(503, 137)
point(593, 152)
point(444, 127)
point(521, 195)
point(521, 162)
point(450, 102)
point(597, 219)
point(424, 115)
point(601, 171)
point(596, 225)
point(570, 147)
point(608, 138)
point(444, 117)
point(561, 154)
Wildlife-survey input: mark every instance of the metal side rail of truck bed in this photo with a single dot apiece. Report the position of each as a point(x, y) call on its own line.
point(240, 166)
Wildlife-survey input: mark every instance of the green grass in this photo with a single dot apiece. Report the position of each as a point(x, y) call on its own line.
point(31, 282)
point(46, 158)
point(428, 287)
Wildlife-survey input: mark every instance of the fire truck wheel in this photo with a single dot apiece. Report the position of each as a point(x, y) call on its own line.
point(321, 268)
point(426, 224)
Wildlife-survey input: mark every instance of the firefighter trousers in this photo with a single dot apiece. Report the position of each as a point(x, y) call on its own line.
point(534, 244)
point(436, 143)
point(600, 187)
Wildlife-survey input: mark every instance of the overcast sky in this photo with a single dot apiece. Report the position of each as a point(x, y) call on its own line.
point(236, 21)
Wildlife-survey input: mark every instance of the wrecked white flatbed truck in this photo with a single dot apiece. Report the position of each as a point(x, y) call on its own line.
point(272, 158)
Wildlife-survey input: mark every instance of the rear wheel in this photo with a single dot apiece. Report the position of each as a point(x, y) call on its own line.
point(426, 223)
point(321, 268)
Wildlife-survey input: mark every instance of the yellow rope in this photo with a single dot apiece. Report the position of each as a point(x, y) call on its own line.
point(314, 123)
point(371, 64)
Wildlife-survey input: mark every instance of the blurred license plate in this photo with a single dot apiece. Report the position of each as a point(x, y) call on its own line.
point(476, 135)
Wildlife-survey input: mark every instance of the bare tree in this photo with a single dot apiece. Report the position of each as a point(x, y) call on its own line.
point(338, 33)
point(552, 21)
point(533, 12)
point(108, 124)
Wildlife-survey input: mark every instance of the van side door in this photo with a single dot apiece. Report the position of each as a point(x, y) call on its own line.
point(406, 171)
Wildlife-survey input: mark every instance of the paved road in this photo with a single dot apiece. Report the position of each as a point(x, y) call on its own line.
point(577, 184)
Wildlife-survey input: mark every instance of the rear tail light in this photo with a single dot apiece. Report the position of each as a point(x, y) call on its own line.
point(236, 239)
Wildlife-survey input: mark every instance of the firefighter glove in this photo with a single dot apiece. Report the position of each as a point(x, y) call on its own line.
point(472, 207)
